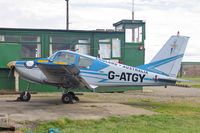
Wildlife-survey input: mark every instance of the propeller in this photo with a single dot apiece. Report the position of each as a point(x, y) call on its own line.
point(11, 66)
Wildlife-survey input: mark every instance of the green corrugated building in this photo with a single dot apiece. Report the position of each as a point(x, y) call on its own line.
point(124, 44)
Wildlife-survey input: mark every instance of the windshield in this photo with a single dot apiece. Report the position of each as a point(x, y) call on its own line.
point(64, 57)
point(52, 56)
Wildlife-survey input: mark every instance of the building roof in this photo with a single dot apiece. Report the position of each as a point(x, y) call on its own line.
point(61, 30)
point(125, 21)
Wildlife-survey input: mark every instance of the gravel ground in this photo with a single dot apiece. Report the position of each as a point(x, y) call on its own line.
point(171, 94)
point(44, 107)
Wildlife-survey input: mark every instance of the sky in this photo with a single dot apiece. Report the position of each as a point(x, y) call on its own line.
point(163, 18)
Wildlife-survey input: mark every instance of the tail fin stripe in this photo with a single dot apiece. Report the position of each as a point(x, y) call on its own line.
point(165, 61)
point(152, 66)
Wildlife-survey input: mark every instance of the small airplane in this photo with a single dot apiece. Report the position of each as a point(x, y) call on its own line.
point(68, 70)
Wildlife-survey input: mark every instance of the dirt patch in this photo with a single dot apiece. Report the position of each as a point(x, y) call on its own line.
point(45, 107)
point(42, 110)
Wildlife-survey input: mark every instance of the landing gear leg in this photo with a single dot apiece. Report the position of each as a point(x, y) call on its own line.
point(74, 96)
point(25, 96)
point(69, 98)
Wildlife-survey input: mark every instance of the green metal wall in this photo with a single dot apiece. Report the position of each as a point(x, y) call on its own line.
point(6, 82)
point(132, 55)
point(9, 52)
point(37, 87)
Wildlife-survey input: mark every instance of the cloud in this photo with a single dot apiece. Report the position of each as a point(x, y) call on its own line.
point(161, 24)
point(163, 18)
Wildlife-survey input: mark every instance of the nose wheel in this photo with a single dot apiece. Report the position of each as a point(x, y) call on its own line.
point(24, 96)
point(69, 98)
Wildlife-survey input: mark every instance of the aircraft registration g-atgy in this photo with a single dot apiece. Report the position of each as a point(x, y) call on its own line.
point(68, 70)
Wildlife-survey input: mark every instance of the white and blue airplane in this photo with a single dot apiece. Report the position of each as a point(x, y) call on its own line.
point(68, 70)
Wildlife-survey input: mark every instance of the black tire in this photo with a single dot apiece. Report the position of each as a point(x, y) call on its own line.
point(67, 98)
point(25, 96)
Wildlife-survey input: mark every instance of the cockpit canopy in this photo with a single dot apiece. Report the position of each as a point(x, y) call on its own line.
point(67, 58)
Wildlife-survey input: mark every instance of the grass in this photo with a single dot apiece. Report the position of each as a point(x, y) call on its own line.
point(171, 118)
point(159, 123)
point(170, 108)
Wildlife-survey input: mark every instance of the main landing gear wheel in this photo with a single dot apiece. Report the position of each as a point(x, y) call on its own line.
point(25, 96)
point(69, 98)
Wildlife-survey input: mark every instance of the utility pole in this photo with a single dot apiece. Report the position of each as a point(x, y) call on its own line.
point(67, 14)
point(133, 10)
point(133, 30)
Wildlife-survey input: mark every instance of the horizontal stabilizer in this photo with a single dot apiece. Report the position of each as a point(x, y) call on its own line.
point(172, 80)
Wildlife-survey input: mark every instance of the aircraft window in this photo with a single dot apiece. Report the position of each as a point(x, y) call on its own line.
point(64, 57)
point(84, 62)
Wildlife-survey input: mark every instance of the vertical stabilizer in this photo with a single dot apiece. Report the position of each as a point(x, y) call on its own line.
point(168, 60)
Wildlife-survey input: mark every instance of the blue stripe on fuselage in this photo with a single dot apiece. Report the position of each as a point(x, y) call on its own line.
point(94, 72)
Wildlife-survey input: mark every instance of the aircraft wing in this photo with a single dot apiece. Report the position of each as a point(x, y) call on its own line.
point(65, 75)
